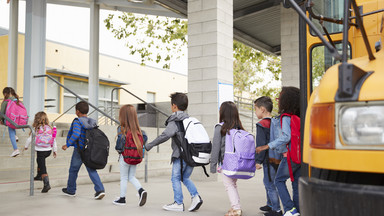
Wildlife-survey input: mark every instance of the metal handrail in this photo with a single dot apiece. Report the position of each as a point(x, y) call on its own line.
point(31, 180)
point(238, 102)
point(63, 113)
point(76, 95)
point(157, 109)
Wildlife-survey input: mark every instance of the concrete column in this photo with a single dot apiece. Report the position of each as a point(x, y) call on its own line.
point(290, 66)
point(34, 58)
point(210, 58)
point(93, 84)
point(12, 43)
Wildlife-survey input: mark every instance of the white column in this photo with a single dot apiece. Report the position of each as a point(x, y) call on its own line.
point(34, 57)
point(12, 43)
point(93, 84)
point(290, 67)
point(210, 58)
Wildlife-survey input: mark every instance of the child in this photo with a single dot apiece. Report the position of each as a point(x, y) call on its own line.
point(229, 118)
point(263, 109)
point(9, 93)
point(45, 141)
point(179, 103)
point(130, 128)
point(289, 102)
point(76, 138)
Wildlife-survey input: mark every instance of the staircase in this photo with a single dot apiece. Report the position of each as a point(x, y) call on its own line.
point(15, 172)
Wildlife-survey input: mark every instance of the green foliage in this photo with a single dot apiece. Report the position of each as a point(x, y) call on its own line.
point(171, 33)
point(318, 65)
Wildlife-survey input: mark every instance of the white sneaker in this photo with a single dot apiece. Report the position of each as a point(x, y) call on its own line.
point(15, 153)
point(292, 212)
point(196, 203)
point(174, 207)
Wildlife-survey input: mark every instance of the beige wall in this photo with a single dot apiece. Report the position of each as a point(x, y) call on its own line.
point(142, 79)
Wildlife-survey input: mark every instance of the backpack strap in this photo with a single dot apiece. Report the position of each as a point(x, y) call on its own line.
point(289, 151)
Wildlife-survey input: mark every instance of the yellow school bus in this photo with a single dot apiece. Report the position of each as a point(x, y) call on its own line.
point(342, 76)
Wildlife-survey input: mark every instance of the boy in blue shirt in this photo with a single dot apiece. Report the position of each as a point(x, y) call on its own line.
point(76, 138)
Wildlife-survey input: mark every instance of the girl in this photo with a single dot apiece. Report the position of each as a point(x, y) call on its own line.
point(130, 130)
point(229, 118)
point(9, 93)
point(289, 102)
point(44, 143)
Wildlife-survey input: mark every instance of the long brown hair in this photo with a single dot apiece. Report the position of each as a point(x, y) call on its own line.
point(9, 91)
point(40, 120)
point(229, 116)
point(129, 122)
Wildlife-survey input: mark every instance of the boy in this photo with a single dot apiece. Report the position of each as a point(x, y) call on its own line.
point(179, 103)
point(76, 138)
point(263, 109)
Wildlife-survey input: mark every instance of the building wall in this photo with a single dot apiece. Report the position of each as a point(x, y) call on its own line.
point(290, 48)
point(141, 79)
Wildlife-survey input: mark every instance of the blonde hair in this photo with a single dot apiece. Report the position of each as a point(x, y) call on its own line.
point(40, 120)
point(129, 122)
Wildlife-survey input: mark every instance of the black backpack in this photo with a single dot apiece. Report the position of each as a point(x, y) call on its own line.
point(96, 148)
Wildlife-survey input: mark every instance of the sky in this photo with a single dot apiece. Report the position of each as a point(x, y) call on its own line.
point(70, 25)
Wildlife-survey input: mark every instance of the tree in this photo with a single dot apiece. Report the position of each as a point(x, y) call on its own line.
point(249, 68)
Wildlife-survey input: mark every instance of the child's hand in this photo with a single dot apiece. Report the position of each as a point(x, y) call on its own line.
point(219, 169)
point(64, 147)
point(258, 166)
point(261, 148)
point(54, 154)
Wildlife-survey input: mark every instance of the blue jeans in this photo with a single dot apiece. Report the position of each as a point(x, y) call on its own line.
point(74, 171)
point(176, 181)
point(127, 173)
point(281, 177)
point(272, 195)
point(12, 137)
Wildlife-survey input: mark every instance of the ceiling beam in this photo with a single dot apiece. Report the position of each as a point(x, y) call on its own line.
point(178, 6)
point(254, 9)
point(252, 42)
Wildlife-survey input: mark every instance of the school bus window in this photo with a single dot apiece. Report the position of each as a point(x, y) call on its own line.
point(321, 60)
point(328, 8)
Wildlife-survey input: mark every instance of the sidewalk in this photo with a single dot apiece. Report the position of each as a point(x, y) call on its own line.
point(252, 194)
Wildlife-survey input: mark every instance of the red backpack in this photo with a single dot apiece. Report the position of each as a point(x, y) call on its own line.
point(130, 152)
point(294, 152)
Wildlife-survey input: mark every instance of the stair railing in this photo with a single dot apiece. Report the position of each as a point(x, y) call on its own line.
point(240, 101)
point(77, 96)
point(31, 180)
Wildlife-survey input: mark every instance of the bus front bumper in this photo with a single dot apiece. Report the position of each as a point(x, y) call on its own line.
point(320, 197)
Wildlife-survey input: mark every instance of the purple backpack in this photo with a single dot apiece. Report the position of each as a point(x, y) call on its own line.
point(16, 112)
point(239, 157)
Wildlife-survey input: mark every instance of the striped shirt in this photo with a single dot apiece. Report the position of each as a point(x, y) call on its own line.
point(76, 134)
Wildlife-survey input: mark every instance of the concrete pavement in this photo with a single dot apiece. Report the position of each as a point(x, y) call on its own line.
point(19, 203)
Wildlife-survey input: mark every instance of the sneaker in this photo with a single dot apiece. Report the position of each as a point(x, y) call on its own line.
point(292, 212)
point(274, 213)
point(143, 197)
point(15, 153)
point(174, 207)
point(266, 208)
point(119, 201)
point(195, 203)
point(66, 192)
point(17, 138)
point(99, 195)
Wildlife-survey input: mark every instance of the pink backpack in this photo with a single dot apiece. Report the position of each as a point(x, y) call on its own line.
point(16, 112)
point(45, 136)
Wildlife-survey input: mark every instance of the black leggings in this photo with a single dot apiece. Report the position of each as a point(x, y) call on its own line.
point(41, 155)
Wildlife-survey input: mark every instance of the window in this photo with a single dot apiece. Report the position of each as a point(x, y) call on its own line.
point(328, 8)
point(151, 97)
point(321, 60)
